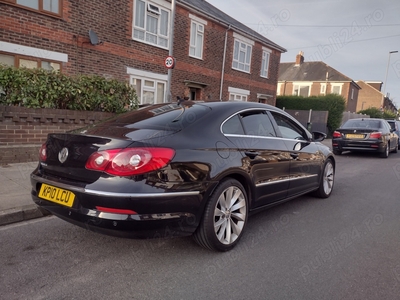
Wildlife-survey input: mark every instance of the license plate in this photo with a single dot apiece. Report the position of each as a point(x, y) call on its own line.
point(56, 195)
point(354, 136)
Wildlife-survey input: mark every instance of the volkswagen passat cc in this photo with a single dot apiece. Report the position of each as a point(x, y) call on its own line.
point(181, 169)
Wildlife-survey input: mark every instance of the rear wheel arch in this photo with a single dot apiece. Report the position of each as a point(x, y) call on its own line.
point(245, 182)
point(224, 217)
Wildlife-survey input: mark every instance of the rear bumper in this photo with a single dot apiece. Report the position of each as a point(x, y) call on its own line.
point(155, 215)
point(353, 145)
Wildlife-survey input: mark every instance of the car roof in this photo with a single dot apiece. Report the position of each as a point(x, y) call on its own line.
point(238, 104)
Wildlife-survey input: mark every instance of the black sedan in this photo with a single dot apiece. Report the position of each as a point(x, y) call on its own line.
point(179, 169)
point(365, 134)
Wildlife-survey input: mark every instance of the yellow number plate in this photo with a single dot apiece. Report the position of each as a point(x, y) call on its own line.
point(354, 136)
point(57, 195)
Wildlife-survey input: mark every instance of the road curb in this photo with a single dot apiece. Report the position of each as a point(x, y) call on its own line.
point(23, 213)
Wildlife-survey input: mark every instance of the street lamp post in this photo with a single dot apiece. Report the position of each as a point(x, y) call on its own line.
point(384, 84)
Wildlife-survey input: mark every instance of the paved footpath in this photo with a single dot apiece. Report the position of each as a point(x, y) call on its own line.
point(15, 192)
point(15, 197)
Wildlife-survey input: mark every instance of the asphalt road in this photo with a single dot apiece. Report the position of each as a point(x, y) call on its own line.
point(344, 247)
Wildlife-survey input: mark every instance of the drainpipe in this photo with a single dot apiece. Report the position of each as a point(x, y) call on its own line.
point(223, 63)
point(171, 50)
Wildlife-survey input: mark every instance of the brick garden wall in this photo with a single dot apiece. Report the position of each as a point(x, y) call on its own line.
point(23, 130)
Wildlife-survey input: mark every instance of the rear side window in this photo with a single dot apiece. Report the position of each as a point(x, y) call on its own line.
point(233, 126)
point(254, 123)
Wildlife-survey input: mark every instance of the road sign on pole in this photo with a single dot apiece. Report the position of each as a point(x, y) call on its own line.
point(169, 62)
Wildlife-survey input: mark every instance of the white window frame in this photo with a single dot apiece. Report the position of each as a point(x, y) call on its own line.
point(152, 9)
point(266, 57)
point(323, 89)
point(238, 94)
point(198, 25)
point(352, 94)
point(279, 88)
point(242, 45)
point(149, 76)
point(334, 85)
point(299, 85)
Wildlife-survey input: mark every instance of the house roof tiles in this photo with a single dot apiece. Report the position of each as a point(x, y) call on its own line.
point(310, 71)
point(209, 10)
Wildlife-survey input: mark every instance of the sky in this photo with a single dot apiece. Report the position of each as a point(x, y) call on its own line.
point(355, 37)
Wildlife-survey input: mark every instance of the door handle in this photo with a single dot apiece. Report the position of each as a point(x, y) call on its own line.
point(251, 154)
point(294, 155)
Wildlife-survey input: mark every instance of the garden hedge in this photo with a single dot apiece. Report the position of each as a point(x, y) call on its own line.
point(38, 88)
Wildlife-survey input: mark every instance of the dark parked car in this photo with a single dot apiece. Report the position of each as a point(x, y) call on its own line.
point(365, 134)
point(395, 125)
point(181, 169)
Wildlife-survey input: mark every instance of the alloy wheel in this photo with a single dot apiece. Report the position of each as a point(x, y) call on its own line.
point(328, 178)
point(230, 215)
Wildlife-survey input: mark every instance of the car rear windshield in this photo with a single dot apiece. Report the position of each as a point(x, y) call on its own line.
point(167, 116)
point(364, 123)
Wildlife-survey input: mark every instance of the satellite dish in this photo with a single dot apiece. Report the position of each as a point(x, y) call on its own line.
point(94, 40)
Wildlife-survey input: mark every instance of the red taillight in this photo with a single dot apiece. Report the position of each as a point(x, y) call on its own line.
point(43, 153)
point(130, 161)
point(337, 134)
point(375, 135)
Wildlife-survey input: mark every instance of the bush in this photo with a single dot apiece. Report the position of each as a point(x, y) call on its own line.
point(38, 88)
point(374, 112)
point(334, 104)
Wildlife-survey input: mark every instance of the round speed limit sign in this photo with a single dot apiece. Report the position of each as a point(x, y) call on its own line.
point(169, 62)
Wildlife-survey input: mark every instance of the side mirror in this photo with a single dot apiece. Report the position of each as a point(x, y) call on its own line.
point(318, 136)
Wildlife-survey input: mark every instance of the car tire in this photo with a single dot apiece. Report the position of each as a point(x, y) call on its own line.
point(224, 218)
point(385, 153)
point(337, 152)
point(327, 180)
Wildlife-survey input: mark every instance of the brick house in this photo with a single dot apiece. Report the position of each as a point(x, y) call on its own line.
point(316, 78)
point(217, 57)
point(371, 95)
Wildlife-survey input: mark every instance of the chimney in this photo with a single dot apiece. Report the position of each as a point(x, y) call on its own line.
point(299, 58)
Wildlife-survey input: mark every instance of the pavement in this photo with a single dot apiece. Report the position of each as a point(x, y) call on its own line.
point(16, 204)
point(15, 198)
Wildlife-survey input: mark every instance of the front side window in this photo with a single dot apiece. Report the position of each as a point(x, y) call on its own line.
point(241, 56)
point(257, 124)
point(151, 24)
point(196, 40)
point(265, 64)
point(45, 6)
point(288, 128)
point(148, 91)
